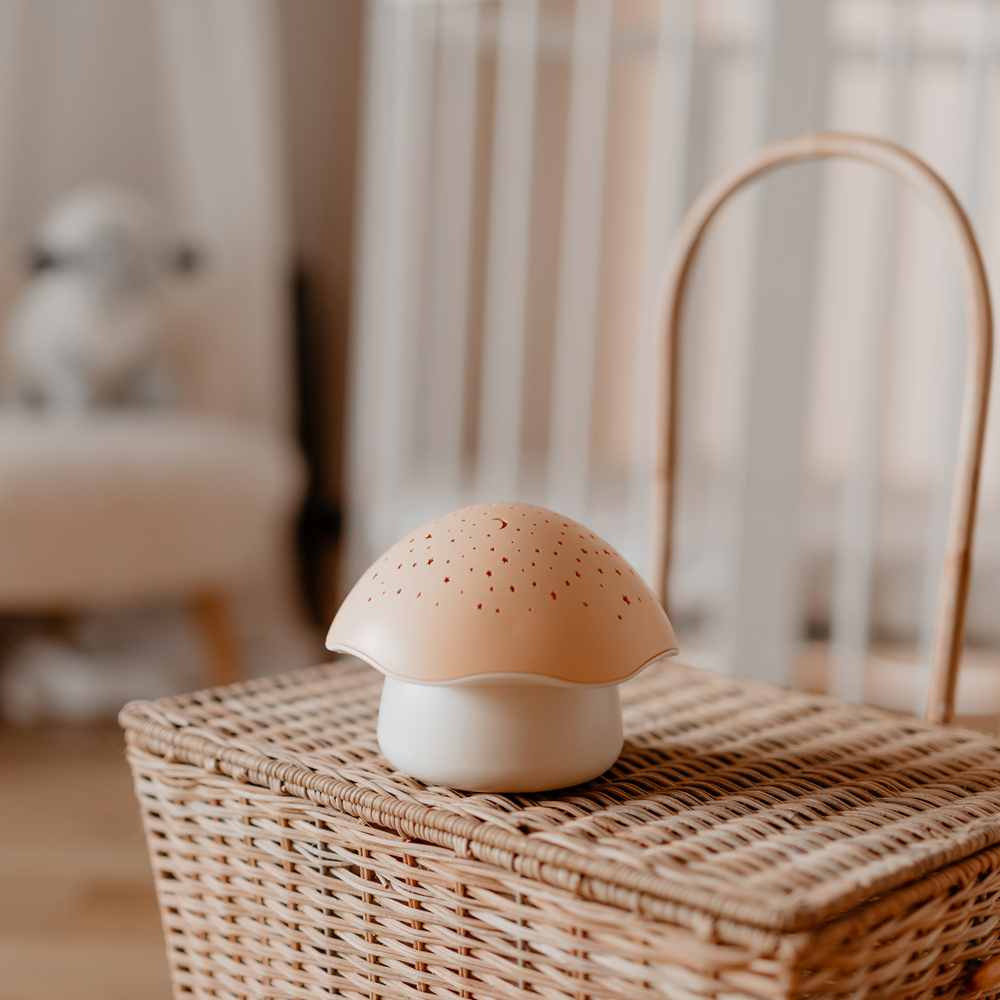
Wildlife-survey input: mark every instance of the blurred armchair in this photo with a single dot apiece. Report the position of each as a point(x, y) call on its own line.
point(118, 485)
point(125, 508)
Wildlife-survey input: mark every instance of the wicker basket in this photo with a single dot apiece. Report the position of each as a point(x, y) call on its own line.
point(749, 843)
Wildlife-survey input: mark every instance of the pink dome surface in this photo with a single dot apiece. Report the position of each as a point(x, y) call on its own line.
point(503, 588)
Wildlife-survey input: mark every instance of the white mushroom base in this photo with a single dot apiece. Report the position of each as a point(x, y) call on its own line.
point(506, 736)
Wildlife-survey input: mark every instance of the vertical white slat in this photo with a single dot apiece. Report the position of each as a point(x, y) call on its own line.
point(508, 243)
point(407, 386)
point(448, 253)
point(388, 415)
point(389, 412)
point(365, 386)
point(977, 116)
point(670, 129)
point(765, 610)
point(409, 154)
point(852, 579)
point(579, 260)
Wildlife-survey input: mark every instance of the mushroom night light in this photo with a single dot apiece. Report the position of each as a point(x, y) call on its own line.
point(503, 631)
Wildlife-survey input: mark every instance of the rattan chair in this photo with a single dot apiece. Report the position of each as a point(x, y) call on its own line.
point(941, 199)
point(749, 844)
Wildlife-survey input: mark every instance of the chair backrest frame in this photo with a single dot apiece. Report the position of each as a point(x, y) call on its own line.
point(918, 175)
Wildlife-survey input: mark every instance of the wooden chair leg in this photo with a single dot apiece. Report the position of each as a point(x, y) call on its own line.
point(212, 612)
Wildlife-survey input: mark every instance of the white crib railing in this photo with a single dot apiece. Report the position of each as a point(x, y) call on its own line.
point(525, 165)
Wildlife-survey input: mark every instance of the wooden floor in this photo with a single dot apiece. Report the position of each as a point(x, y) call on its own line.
point(78, 916)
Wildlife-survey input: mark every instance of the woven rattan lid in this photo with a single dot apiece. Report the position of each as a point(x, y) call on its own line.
point(731, 799)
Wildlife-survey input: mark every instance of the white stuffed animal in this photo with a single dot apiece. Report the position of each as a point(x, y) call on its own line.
point(85, 334)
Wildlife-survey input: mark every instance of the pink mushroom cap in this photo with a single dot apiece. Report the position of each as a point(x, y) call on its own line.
point(503, 589)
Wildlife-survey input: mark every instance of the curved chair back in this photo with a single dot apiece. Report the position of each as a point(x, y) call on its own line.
point(953, 593)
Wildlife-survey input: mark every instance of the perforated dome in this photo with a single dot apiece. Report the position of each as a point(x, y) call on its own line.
point(503, 588)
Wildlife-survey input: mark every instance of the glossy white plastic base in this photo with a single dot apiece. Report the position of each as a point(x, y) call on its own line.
point(500, 737)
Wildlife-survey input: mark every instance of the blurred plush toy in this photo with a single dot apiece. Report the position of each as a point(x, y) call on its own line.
point(85, 334)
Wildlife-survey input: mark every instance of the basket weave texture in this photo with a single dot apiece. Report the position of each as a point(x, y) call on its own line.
point(749, 843)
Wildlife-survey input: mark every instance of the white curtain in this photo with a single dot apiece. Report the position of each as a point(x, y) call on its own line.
point(222, 83)
point(181, 100)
